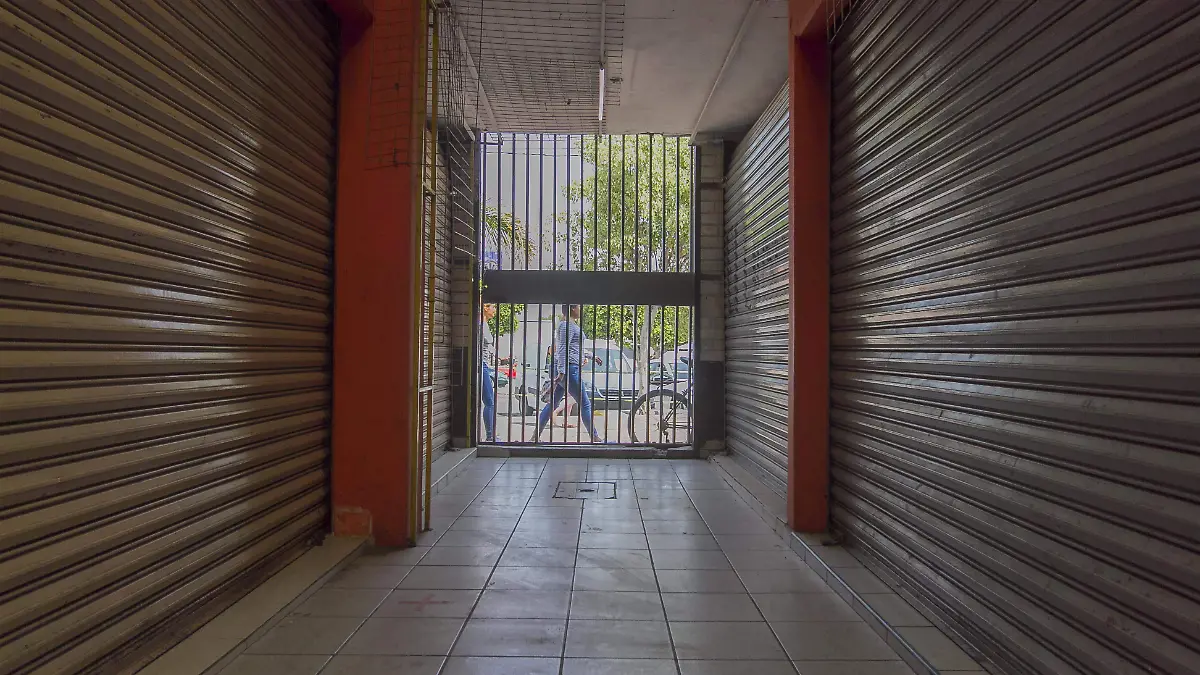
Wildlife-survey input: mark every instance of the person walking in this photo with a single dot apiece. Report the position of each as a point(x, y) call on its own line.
point(568, 355)
point(487, 354)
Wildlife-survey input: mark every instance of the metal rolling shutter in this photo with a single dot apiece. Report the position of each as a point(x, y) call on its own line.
point(1016, 312)
point(756, 297)
point(441, 317)
point(164, 315)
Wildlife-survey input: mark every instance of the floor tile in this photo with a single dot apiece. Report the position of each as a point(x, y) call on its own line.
point(684, 542)
point(275, 664)
point(500, 665)
point(404, 637)
point(765, 560)
point(532, 578)
point(594, 513)
point(751, 542)
point(538, 557)
point(614, 606)
point(804, 607)
point(676, 526)
point(511, 637)
point(613, 541)
point(690, 560)
point(306, 635)
point(483, 524)
point(939, 650)
point(391, 557)
point(601, 557)
point(558, 525)
point(447, 577)
point(473, 556)
point(752, 525)
point(543, 539)
point(736, 668)
point(862, 580)
point(383, 665)
point(894, 610)
point(852, 668)
point(699, 581)
point(344, 602)
point(618, 667)
point(614, 579)
point(493, 511)
point(725, 640)
point(613, 526)
point(369, 576)
point(832, 641)
point(556, 512)
point(630, 639)
point(498, 604)
point(784, 581)
point(710, 607)
point(444, 604)
point(460, 538)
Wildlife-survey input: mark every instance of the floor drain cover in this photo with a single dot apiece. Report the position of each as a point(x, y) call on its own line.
point(572, 490)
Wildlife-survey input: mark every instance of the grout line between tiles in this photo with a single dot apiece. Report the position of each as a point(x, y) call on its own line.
point(721, 548)
point(462, 629)
point(654, 568)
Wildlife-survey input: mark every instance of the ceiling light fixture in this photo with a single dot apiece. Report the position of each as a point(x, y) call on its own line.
point(602, 79)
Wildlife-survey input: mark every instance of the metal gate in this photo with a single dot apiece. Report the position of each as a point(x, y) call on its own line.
point(603, 223)
point(757, 313)
point(1016, 323)
point(164, 316)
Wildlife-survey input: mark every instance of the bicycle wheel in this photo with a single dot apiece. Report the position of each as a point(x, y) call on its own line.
point(661, 418)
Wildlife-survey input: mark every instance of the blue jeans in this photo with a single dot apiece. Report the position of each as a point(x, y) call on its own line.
point(574, 387)
point(489, 405)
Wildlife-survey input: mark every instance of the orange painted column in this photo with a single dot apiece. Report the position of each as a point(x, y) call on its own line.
point(808, 399)
point(380, 110)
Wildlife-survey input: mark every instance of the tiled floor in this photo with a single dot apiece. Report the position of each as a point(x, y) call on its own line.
point(675, 575)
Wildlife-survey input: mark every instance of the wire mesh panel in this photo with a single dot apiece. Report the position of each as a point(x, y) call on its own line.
point(586, 249)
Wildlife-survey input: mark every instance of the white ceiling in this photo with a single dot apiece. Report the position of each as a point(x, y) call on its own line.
point(673, 52)
point(538, 63)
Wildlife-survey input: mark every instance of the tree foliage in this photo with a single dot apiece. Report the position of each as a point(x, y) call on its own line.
point(505, 320)
point(505, 233)
point(633, 214)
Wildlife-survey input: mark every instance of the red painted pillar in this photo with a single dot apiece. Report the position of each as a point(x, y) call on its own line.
point(380, 111)
point(808, 399)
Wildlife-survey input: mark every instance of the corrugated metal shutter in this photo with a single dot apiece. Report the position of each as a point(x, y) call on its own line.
point(756, 297)
point(1016, 312)
point(441, 316)
point(164, 315)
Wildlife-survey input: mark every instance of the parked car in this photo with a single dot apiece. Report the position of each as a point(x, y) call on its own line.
point(608, 375)
point(673, 366)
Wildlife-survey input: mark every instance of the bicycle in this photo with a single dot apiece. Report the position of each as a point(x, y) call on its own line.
point(666, 414)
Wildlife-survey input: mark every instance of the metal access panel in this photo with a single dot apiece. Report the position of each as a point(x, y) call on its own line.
point(1016, 323)
point(604, 223)
point(165, 263)
point(757, 294)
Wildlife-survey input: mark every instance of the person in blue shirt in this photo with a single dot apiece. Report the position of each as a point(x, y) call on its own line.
point(567, 365)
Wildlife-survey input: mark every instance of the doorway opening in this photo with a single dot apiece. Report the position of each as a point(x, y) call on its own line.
point(587, 293)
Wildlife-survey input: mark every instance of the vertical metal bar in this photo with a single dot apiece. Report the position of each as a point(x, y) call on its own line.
point(554, 263)
point(512, 335)
point(523, 373)
point(540, 357)
point(595, 252)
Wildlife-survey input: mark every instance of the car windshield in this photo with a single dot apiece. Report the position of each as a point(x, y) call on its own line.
point(611, 361)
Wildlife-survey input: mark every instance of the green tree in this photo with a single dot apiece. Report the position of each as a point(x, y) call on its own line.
point(505, 320)
point(505, 233)
point(633, 214)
